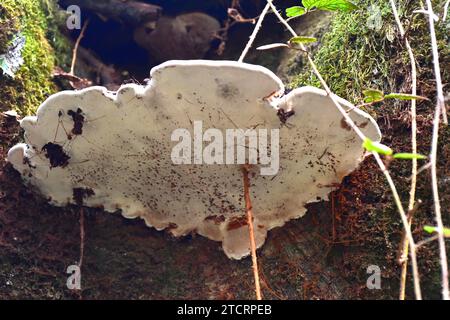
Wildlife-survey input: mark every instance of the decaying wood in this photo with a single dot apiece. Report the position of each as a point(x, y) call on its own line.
point(132, 13)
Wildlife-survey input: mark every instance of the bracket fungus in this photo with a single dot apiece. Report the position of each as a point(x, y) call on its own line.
point(116, 147)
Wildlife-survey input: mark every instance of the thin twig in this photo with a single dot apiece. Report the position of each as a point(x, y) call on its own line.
point(406, 226)
point(376, 155)
point(440, 107)
point(82, 234)
point(422, 169)
point(404, 256)
point(426, 241)
point(254, 33)
point(249, 209)
point(412, 192)
point(445, 10)
point(75, 48)
point(437, 68)
point(404, 253)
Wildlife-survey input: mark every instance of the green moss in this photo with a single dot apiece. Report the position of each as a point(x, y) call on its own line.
point(353, 56)
point(32, 83)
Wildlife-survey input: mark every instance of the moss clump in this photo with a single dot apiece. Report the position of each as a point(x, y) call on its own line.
point(355, 55)
point(32, 83)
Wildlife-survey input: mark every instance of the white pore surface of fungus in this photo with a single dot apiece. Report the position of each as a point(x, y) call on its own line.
point(113, 150)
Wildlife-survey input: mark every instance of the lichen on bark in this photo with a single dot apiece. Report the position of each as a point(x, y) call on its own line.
point(44, 48)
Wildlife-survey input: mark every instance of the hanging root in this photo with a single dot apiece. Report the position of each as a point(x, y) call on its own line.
point(248, 208)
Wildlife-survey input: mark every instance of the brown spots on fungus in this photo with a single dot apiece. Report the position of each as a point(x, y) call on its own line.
point(172, 226)
point(56, 155)
point(78, 121)
point(79, 194)
point(216, 219)
point(363, 125)
point(228, 91)
point(27, 162)
point(344, 125)
point(284, 115)
point(237, 222)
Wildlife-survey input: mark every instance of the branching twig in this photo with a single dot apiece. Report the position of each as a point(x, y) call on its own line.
point(445, 10)
point(406, 226)
point(404, 253)
point(376, 155)
point(440, 108)
point(72, 72)
point(437, 68)
point(426, 241)
point(249, 209)
point(412, 192)
point(75, 48)
point(255, 32)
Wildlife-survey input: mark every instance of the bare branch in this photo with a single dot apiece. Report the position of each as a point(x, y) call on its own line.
point(426, 241)
point(446, 10)
point(440, 108)
point(255, 32)
point(75, 48)
point(437, 68)
point(412, 192)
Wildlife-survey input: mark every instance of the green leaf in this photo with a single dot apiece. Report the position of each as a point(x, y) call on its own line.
point(431, 229)
point(273, 46)
point(330, 5)
point(301, 40)
point(409, 156)
point(377, 147)
point(404, 96)
point(373, 95)
point(296, 11)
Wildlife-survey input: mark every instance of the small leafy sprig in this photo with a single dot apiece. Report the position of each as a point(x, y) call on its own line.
point(372, 96)
point(327, 5)
point(297, 42)
point(293, 43)
point(431, 229)
point(384, 150)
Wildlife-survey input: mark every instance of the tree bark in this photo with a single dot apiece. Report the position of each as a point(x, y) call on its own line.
point(132, 13)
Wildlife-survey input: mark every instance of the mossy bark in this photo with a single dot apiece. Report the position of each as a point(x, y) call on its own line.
point(44, 47)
